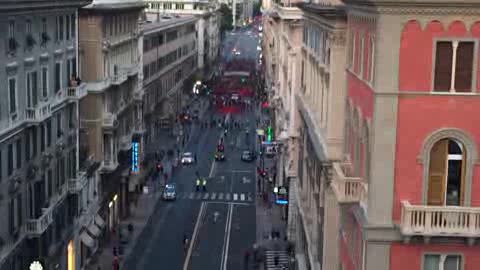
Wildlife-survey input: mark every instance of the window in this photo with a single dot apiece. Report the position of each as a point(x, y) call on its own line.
point(11, 29)
point(28, 26)
point(18, 153)
point(27, 144)
point(67, 27)
point(31, 89)
point(73, 25)
point(58, 77)
point(442, 262)
point(49, 132)
point(10, 159)
point(34, 140)
point(453, 66)
point(44, 82)
point(12, 95)
point(59, 125)
point(60, 27)
point(372, 59)
point(44, 25)
point(446, 179)
point(42, 138)
point(71, 116)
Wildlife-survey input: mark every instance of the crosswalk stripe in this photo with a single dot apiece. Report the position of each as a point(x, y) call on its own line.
point(235, 196)
point(220, 196)
point(191, 195)
point(283, 259)
point(242, 197)
point(227, 196)
point(214, 196)
point(199, 196)
point(249, 197)
point(205, 196)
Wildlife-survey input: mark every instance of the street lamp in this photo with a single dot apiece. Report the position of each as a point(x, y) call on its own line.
point(36, 265)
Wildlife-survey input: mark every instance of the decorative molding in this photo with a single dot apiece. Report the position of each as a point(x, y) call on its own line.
point(412, 9)
point(338, 38)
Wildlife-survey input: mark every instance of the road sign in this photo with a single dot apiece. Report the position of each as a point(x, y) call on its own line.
point(260, 132)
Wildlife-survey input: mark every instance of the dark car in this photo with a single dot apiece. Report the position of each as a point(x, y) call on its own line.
point(219, 156)
point(248, 156)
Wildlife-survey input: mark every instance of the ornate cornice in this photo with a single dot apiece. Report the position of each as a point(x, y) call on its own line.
point(337, 38)
point(424, 7)
point(428, 11)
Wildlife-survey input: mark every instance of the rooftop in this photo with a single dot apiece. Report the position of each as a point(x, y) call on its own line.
point(115, 4)
point(165, 22)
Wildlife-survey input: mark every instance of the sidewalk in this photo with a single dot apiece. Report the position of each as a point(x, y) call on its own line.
point(269, 216)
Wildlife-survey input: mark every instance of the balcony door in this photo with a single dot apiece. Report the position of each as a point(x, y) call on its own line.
point(446, 178)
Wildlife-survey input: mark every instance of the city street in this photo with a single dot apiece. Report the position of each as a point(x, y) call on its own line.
point(221, 221)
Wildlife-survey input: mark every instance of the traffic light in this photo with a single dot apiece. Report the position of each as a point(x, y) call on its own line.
point(269, 134)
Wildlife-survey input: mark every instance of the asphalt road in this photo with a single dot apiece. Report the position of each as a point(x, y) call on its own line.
point(221, 222)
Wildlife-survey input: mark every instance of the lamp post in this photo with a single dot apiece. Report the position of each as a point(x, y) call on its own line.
point(36, 265)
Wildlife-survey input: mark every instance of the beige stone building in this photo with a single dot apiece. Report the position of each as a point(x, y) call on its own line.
point(111, 113)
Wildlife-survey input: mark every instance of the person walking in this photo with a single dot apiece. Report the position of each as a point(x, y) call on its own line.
point(197, 184)
point(246, 259)
point(204, 183)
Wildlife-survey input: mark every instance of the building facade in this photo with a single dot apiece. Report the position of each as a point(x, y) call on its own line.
point(208, 24)
point(387, 143)
point(169, 57)
point(38, 133)
point(111, 130)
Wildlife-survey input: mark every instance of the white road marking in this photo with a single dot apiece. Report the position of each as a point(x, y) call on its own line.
point(233, 203)
point(191, 195)
point(226, 242)
point(220, 196)
point(201, 213)
point(227, 197)
point(235, 196)
point(214, 196)
point(240, 171)
point(242, 197)
point(205, 196)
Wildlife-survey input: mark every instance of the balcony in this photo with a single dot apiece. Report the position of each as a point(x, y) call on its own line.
point(125, 142)
point(138, 127)
point(447, 221)
point(76, 185)
point(348, 189)
point(138, 95)
point(109, 121)
point(70, 93)
point(36, 227)
point(108, 165)
point(38, 114)
point(119, 78)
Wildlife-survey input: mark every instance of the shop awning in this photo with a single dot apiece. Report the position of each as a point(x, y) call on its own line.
point(94, 230)
point(99, 221)
point(87, 239)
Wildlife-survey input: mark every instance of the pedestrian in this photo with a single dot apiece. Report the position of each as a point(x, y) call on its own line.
point(246, 258)
point(115, 263)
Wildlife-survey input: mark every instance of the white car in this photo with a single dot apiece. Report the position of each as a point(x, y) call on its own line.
point(188, 158)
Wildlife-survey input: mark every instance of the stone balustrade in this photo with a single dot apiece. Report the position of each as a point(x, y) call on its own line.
point(426, 220)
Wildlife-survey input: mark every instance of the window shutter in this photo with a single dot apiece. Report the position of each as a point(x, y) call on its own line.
point(464, 67)
point(443, 66)
point(436, 175)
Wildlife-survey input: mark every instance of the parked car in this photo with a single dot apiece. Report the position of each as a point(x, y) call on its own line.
point(169, 193)
point(187, 158)
point(248, 156)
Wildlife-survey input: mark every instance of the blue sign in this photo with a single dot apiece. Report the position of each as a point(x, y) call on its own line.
point(279, 201)
point(135, 157)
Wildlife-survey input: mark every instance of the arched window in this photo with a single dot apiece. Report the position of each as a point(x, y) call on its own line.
point(446, 173)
